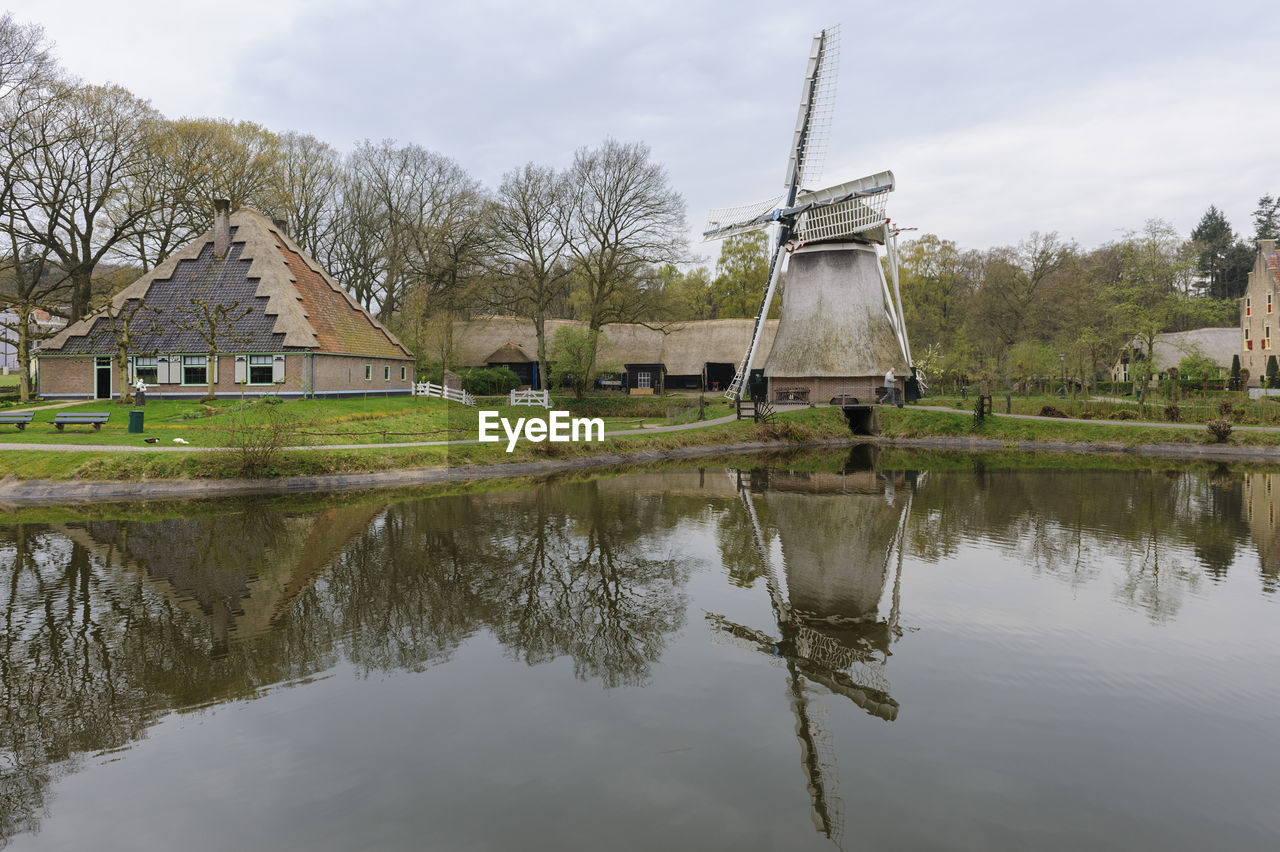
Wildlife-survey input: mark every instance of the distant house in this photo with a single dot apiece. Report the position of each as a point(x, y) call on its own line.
point(295, 331)
point(1219, 345)
point(516, 360)
point(648, 359)
point(1258, 312)
point(42, 324)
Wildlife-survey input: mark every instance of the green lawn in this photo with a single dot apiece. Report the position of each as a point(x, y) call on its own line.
point(375, 420)
point(1197, 408)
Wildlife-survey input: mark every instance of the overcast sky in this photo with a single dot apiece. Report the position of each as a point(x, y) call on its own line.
point(1085, 118)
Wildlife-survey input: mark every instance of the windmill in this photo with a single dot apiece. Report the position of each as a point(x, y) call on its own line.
point(842, 322)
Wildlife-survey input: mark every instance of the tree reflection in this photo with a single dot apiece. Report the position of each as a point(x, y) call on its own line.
point(109, 625)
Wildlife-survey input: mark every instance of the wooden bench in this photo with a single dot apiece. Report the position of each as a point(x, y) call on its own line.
point(20, 420)
point(94, 419)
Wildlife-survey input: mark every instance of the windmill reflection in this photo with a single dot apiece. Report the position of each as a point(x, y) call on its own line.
point(839, 535)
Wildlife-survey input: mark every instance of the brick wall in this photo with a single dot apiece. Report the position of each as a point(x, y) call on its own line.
point(74, 377)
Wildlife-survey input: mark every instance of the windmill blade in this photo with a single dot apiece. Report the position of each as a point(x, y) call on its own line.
point(744, 369)
point(817, 101)
point(855, 207)
point(726, 221)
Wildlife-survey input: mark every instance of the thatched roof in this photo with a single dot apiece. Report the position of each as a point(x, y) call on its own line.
point(1216, 344)
point(508, 353)
point(683, 347)
point(293, 304)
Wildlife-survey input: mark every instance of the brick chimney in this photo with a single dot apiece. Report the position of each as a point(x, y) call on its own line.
point(282, 225)
point(221, 227)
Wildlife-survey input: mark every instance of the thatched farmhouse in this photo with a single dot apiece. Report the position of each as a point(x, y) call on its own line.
point(1219, 345)
point(700, 355)
point(276, 322)
point(1258, 312)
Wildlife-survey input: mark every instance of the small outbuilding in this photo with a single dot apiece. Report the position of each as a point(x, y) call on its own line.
point(515, 359)
point(278, 322)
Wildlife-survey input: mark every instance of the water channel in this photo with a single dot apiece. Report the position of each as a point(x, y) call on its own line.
point(818, 652)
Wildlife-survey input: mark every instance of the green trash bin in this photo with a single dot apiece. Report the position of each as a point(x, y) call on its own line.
point(135, 421)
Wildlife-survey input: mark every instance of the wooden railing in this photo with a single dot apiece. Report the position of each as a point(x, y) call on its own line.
point(442, 392)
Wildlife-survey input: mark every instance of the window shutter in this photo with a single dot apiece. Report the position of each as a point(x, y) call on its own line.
point(214, 368)
point(242, 369)
point(130, 372)
point(164, 370)
point(277, 368)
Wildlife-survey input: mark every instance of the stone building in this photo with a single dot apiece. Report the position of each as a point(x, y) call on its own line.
point(1259, 310)
point(288, 328)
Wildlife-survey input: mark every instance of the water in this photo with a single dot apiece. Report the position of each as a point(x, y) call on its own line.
point(840, 656)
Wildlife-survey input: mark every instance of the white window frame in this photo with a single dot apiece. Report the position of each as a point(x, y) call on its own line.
point(182, 365)
point(644, 379)
point(268, 363)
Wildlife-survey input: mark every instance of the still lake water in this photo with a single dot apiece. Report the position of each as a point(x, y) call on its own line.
point(841, 657)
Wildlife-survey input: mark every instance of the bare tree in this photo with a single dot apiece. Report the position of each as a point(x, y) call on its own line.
point(85, 148)
point(27, 82)
point(304, 189)
point(189, 163)
point(409, 233)
point(531, 229)
point(627, 221)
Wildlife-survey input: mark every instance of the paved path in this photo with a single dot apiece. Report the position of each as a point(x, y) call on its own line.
point(168, 448)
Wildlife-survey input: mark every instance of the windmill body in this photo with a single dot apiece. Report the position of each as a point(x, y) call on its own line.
point(841, 327)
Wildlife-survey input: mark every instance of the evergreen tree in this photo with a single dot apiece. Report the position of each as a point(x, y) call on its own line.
point(1235, 372)
point(1266, 219)
point(1219, 256)
point(1273, 372)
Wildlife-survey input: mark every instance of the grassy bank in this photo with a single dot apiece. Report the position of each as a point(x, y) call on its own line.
point(915, 423)
point(790, 459)
point(379, 416)
point(40, 463)
point(316, 422)
point(1159, 407)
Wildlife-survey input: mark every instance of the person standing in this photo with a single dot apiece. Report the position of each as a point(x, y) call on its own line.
point(891, 387)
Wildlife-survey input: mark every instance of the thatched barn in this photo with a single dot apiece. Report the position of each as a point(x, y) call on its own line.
point(287, 328)
point(1219, 345)
point(700, 355)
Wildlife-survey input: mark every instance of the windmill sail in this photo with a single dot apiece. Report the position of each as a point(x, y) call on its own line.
point(817, 103)
point(808, 147)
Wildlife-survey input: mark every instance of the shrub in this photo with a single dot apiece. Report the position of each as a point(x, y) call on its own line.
point(256, 438)
point(1225, 408)
point(490, 381)
point(1172, 412)
point(1050, 411)
point(1219, 429)
point(1124, 414)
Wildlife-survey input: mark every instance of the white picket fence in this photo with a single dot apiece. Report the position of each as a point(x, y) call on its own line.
point(530, 397)
point(442, 392)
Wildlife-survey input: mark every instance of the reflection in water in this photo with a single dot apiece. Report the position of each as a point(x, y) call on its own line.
point(837, 534)
point(111, 625)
